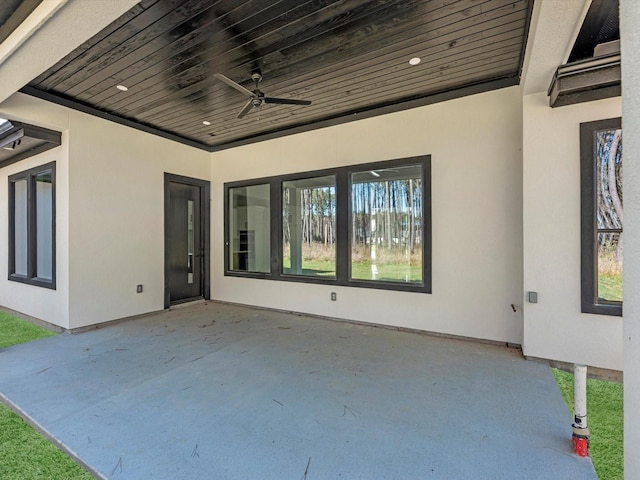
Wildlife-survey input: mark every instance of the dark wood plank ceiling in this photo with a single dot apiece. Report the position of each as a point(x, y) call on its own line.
point(346, 56)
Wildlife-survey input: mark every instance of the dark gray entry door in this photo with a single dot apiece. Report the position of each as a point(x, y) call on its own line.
point(184, 243)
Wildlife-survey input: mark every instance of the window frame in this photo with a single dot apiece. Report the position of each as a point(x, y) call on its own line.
point(31, 277)
point(227, 239)
point(294, 177)
point(426, 224)
point(343, 226)
point(588, 220)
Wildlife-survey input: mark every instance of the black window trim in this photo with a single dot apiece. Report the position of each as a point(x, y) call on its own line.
point(343, 226)
point(588, 227)
point(280, 246)
point(31, 277)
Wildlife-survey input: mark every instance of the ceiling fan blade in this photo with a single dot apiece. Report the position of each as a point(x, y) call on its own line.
point(246, 109)
point(233, 84)
point(286, 101)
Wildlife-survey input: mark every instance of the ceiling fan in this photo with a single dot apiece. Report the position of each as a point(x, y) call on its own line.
point(256, 97)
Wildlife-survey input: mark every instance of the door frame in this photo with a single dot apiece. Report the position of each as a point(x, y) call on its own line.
point(205, 228)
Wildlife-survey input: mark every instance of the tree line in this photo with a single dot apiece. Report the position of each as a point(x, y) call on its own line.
point(609, 186)
point(385, 213)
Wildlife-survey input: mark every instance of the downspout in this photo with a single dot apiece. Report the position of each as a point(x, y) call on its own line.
point(580, 431)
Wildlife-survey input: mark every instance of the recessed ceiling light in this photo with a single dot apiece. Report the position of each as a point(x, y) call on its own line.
point(206, 122)
point(122, 88)
point(415, 61)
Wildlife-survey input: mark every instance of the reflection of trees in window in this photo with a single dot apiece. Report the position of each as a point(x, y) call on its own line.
point(309, 226)
point(387, 224)
point(609, 214)
point(601, 205)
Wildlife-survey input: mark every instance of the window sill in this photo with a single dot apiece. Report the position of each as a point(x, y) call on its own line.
point(613, 309)
point(36, 282)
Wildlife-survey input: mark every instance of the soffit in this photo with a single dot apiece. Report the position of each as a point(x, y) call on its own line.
point(13, 13)
point(20, 140)
point(348, 57)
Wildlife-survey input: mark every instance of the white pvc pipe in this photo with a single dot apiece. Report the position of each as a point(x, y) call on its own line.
point(580, 396)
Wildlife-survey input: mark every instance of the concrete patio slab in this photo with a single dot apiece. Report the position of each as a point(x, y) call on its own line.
point(214, 391)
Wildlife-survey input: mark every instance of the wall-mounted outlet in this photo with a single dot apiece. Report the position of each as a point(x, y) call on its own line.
point(334, 296)
point(533, 297)
point(139, 289)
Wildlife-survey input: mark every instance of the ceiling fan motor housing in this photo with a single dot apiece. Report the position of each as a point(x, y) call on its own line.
point(257, 97)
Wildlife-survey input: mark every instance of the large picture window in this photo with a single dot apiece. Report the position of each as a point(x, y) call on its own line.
point(602, 216)
point(32, 226)
point(363, 225)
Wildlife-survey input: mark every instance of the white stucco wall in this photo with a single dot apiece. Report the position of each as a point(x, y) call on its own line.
point(475, 144)
point(117, 216)
point(38, 302)
point(555, 328)
point(109, 212)
point(629, 15)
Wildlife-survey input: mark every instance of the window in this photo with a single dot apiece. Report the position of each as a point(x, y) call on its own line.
point(309, 226)
point(364, 225)
point(386, 224)
point(32, 226)
point(602, 216)
point(249, 229)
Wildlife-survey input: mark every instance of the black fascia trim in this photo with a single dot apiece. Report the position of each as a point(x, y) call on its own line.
point(588, 252)
point(343, 220)
point(205, 212)
point(585, 81)
point(525, 40)
point(88, 109)
point(346, 117)
point(31, 278)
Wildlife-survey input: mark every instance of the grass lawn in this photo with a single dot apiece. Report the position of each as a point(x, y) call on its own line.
point(14, 331)
point(360, 270)
point(24, 453)
point(610, 286)
point(604, 418)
